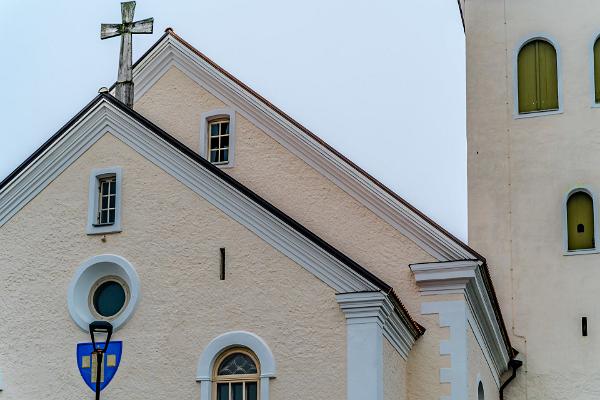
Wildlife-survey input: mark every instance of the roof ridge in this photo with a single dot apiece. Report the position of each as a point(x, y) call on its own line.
point(170, 32)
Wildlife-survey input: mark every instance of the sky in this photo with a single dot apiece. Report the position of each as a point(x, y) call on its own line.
point(382, 81)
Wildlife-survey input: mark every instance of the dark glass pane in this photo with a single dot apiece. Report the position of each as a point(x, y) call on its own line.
point(224, 155)
point(103, 217)
point(112, 201)
point(214, 130)
point(109, 298)
point(225, 128)
point(113, 187)
point(251, 393)
point(111, 217)
point(237, 364)
point(214, 156)
point(224, 141)
point(214, 143)
point(104, 202)
point(104, 187)
point(237, 390)
point(222, 391)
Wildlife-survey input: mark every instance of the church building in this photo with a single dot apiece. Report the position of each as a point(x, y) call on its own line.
point(237, 256)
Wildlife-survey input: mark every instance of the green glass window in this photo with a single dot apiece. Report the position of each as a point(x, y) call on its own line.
point(537, 77)
point(236, 375)
point(597, 69)
point(580, 221)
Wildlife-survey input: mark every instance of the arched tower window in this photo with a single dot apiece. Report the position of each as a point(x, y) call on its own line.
point(537, 77)
point(236, 375)
point(597, 70)
point(480, 392)
point(580, 221)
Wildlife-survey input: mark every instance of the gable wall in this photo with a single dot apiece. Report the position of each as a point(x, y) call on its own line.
point(172, 237)
point(176, 103)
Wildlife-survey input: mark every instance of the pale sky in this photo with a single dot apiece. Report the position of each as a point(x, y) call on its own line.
point(383, 81)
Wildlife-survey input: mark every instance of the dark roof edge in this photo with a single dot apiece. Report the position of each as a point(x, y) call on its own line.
point(48, 142)
point(462, 15)
point(417, 330)
point(313, 136)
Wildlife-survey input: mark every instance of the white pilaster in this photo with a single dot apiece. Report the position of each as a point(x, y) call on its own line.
point(366, 313)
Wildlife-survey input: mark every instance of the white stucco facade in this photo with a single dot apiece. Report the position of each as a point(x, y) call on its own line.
point(320, 280)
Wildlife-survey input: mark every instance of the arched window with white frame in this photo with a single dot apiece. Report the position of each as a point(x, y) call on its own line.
point(236, 365)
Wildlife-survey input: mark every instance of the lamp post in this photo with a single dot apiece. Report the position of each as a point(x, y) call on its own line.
point(100, 327)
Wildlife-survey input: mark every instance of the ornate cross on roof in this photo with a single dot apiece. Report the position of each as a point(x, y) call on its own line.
point(124, 87)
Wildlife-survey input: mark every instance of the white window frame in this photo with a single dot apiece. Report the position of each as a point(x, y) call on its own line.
point(82, 283)
point(520, 45)
point(218, 345)
point(566, 250)
point(206, 118)
point(596, 37)
point(92, 227)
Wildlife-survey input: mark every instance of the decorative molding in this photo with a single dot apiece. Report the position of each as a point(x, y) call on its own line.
point(92, 228)
point(106, 118)
point(518, 47)
point(87, 275)
point(226, 341)
point(453, 315)
point(465, 277)
point(366, 315)
point(376, 307)
point(171, 52)
point(566, 251)
point(204, 119)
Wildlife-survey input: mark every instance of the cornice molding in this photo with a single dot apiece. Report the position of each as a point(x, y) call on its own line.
point(376, 307)
point(171, 52)
point(465, 277)
point(104, 117)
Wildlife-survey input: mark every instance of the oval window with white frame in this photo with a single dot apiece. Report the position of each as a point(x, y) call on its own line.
point(105, 287)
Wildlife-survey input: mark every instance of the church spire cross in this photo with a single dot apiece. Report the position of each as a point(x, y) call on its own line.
point(124, 87)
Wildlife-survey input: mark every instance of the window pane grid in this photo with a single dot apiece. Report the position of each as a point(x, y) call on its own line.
point(107, 201)
point(218, 142)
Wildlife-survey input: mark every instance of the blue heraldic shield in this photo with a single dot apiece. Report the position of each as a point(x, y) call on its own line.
point(87, 363)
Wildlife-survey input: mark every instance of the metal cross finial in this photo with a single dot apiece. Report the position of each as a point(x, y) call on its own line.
point(124, 87)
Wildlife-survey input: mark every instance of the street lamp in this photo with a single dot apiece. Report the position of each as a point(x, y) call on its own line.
point(100, 327)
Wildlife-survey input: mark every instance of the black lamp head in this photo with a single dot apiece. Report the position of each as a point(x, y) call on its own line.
point(101, 327)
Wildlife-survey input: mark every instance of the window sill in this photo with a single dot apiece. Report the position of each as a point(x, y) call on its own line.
point(103, 229)
point(223, 165)
point(539, 114)
point(581, 252)
point(595, 105)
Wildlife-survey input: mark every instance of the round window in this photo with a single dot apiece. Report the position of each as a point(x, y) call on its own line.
point(109, 297)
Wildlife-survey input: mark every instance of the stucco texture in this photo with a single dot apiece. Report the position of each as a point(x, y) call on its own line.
point(172, 237)
point(519, 172)
point(395, 380)
point(479, 370)
point(176, 103)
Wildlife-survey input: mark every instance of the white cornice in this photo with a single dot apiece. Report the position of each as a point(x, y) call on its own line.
point(105, 118)
point(369, 307)
point(465, 277)
point(171, 52)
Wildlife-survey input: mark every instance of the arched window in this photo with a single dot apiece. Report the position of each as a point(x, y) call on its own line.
point(537, 77)
point(580, 221)
point(236, 375)
point(597, 70)
point(480, 392)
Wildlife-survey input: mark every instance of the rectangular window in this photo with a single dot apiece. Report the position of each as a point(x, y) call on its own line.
point(107, 196)
point(104, 213)
point(218, 141)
